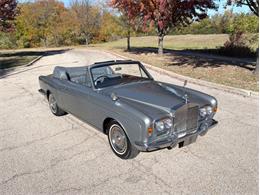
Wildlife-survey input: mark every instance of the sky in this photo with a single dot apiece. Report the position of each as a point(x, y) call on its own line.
point(220, 10)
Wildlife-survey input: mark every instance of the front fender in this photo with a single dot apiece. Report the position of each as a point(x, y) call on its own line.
point(134, 122)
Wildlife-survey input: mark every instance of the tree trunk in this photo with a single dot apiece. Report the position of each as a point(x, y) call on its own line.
point(128, 40)
point(160, 44)
point(257, 62)
point(86, 39)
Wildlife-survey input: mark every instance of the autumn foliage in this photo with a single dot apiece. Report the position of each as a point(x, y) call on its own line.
point(44, 22)
point(47, 23)
point(50, 23)
point(8, 11)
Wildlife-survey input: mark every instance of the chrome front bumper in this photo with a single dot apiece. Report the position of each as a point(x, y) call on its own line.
point(172, 141)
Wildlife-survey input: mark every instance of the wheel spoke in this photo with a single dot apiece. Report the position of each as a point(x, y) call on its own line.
point(118, 139)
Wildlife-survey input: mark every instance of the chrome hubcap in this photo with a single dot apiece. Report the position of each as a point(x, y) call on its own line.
point(53, 104)
point(118, 139)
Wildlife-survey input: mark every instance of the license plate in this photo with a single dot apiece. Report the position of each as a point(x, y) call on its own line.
point(189, 140)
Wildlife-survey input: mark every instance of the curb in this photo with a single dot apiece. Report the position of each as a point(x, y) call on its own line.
point(35, 60)
point(232, 90)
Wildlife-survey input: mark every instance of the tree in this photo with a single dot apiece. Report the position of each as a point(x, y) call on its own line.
point(110, 28)
point(46, 19)
point(164, 14)
point(252, 4)
point(8, 11)
point(254, 7)
point(45, 23)
point(130, 15)
point(88, 17)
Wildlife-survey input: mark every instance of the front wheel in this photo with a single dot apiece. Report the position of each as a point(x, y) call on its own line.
point(120, 143)
point(54, 106)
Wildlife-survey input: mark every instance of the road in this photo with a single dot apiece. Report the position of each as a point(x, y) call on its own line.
point(44, 154)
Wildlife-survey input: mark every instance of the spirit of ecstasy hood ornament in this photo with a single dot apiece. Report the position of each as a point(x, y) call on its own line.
point(185, 97)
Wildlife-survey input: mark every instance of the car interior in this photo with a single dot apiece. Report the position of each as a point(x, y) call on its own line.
point(107, 76)
point(102, 76)
point(77, 75)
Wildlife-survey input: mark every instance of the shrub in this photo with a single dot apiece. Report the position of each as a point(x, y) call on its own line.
point(7, 41)
point(239, 45)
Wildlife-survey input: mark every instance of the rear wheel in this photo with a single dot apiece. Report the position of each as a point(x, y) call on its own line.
point(54, 106)
point(120, 143)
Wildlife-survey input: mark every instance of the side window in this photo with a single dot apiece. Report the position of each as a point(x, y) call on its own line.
point(81, 78)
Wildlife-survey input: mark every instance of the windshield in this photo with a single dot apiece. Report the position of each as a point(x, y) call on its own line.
point(118, 74)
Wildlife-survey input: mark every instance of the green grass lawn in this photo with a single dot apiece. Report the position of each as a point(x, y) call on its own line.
point(177, 42)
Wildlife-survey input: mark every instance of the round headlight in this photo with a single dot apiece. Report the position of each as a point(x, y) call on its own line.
point(159, 125)
point(168, 123)
point(203, 112)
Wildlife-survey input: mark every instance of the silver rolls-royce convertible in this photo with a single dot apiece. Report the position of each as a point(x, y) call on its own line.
point(121, 99)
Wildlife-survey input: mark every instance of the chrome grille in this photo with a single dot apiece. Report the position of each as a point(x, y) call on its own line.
point(186, 118)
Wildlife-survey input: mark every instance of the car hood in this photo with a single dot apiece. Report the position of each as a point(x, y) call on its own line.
point(150, 93)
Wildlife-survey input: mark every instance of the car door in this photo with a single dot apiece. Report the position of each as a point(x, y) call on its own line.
point(100, 106)
point(77, 101)
point(75, 96)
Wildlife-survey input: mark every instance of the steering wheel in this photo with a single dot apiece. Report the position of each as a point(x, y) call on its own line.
point(99, 78)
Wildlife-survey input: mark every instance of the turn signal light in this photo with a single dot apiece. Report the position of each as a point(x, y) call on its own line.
point(150, 131)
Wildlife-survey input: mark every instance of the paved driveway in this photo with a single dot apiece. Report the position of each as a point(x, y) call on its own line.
point(41, 153)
